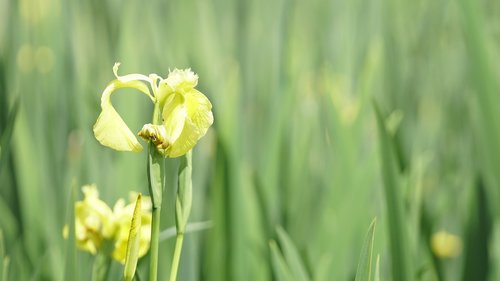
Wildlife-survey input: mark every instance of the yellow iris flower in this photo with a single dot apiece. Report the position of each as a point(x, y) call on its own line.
point(96, 223)
point(185, 113)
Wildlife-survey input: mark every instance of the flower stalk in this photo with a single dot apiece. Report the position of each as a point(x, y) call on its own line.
point(156, 180)
point(183, 205)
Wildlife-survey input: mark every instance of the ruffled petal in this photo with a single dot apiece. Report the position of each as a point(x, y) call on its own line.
point(182, 80)
point(110, 129)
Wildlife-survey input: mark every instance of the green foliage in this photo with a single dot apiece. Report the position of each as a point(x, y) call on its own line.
point(364, 271)
point(287, 263)
point(400, 248)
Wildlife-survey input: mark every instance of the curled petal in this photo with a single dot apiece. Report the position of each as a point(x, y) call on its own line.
point(130, 77)
point(110, 129)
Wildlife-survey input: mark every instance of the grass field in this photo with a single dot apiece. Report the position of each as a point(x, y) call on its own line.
point(327, 115)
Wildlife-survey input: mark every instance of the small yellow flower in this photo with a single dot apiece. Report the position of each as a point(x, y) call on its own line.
point(186, 113)
point(92, 220)
point(95, 223)
point(446, 245)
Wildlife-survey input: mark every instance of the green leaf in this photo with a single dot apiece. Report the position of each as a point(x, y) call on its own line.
point(184, 197)
point(5, 269)
point(280, 267)
point(398, 240)
point(70, 251)
point(377, 269)
point(292, 256)
point(190, 227)
point(7, 134)
point(156, 175)
point(2, 256)
point(363, 273)
point(133, 244)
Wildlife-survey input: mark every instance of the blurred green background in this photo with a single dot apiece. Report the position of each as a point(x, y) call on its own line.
point(295, 141)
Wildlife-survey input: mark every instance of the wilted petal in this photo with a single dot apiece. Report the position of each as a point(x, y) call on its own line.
point(110, 129)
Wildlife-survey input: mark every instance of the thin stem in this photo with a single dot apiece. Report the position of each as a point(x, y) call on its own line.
point(177, 256)
point(156, 180)
point(155, 234)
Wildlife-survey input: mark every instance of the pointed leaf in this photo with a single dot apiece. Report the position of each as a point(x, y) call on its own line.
point(292, 256)
point(280, 268)
point(134, 239)
point(363, 273)
point(400, 252)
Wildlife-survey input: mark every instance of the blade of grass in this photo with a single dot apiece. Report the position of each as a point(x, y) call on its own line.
point(2, 256)
point(5, 269)
point(477, 241)
point(486, 85)
point(191, 227)
point(363, 273)
point(133, 242)
point(399, 247)
point(377, 269)
point(70, 253)
point(292, 256)
point(7, 134)
point(280, 268)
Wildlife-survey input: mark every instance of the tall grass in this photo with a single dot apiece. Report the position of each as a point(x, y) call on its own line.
point(294, 145)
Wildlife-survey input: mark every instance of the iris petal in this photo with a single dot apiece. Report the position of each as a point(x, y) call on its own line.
point(198, 119)
point(110, 129)
point(174, 115)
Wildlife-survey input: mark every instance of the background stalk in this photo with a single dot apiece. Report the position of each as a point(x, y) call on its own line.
point(102, 262)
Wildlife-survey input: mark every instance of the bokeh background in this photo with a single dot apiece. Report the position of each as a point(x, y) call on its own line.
point(295, 143)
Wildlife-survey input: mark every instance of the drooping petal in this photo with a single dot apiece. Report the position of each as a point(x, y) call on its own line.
point(198, 119)
point(110, 129)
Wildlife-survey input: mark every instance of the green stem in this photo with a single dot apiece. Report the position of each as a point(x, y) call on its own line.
point(177, 256)
point(155, 234)
point(183, 204)
point(156, 180)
